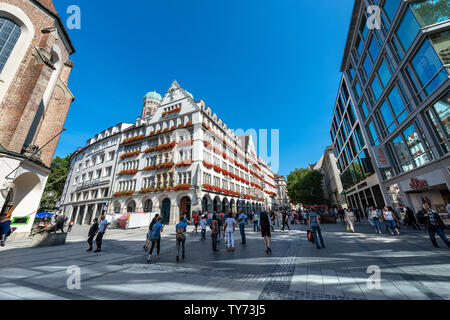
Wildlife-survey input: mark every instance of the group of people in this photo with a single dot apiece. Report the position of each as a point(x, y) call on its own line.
point(392, 221)
point(221, 226)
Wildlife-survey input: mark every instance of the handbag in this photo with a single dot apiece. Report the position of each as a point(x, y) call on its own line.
point(310, 236)
point(154, 234)
point(348, 227)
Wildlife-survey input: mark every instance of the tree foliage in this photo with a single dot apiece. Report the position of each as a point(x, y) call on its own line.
point(304, 186)
point(55, 183)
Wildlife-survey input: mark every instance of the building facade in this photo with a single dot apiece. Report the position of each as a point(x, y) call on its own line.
point(282, 199)
point(396, 78)
point(179, 156)
point(89, 182)
point(34, 102)
point(332, 185)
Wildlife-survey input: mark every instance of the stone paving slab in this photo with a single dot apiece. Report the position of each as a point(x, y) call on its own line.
point(411, 268)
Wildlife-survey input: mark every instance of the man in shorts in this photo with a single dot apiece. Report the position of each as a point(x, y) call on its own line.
point(266, 223)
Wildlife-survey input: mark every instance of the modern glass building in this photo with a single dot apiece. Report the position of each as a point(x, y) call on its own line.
point(391, 119)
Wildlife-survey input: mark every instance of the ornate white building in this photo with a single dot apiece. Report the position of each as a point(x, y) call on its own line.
point(180, 157)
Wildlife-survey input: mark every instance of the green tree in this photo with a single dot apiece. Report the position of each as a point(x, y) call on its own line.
point(304, 186)
point(55, 183)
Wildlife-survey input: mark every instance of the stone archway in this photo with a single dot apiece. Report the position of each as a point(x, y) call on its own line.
point(217, 205)
point(8, 205)
point(131, 206)
point(148, 205)
point(165, 211)
point(117, 207)
point(185, 207)
point(225, 205)
point(232, 206)
point(27, 193)
point(206, 204)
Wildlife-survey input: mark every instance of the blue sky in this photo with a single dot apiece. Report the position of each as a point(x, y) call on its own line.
point(257, 63)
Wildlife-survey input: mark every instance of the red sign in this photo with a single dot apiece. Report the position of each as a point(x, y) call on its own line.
point(418, 184)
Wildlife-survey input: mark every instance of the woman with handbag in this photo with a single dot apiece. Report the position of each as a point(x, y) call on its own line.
point(350, 218)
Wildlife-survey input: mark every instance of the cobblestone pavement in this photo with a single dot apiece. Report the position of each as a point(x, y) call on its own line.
point(410, 267)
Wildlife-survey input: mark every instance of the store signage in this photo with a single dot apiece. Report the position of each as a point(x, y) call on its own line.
point(381, 156)
point(418, 184)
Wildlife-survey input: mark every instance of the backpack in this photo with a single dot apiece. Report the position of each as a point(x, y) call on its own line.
point(154, 233)
point(180, 235)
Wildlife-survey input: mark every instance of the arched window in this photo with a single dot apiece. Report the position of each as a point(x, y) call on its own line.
point(148, 206)
point(131, 207)
point(9, 34)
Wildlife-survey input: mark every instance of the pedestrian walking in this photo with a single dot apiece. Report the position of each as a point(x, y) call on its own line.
point(70, 225)
point(390, 220)
point(180, 239)
point(5, 227)
point(203, 226)
point(101, 232)
point(241, 222)
point(341, 214)
point(155, 237)
point(350, 218)
point(152, 223)
point(255, 221)
point(196, 219)
point(285, 220)
point(266, 223)
point(92, 232)
point(210, 215)
point(215, 230)
point(314, 225)
point(412, 221)
point(433, 223)
point(374, 217)
point(221, 222)
point(229, 226)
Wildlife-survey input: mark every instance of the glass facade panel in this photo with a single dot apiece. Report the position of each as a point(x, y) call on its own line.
point(401, 151)
point(431, 11)
point(367, 65)
point(374, 49)
point(391, 6)
point(397, 104)
point(442, 109)
point(415, 146)
point(357, 90)
point(384, 73)
point(373, 133)
point(376, 89)
point(387, 117)
point(426, 65)
point(441, 43)
point(408, 30)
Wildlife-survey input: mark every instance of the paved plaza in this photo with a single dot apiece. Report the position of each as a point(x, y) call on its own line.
point(410, 267)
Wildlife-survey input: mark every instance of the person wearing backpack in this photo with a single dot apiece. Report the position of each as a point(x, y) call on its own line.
point(196, 218)
point(155, 238)
point(266, 223)
point(181, 238)
point(215, 229)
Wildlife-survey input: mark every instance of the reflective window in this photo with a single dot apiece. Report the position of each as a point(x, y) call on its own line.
point(367, 65)
point(387, 117)
point(426, 65)
point(9, 34)
point(344, 92)
point(415, 146)
point(391, 6)
point(439, 116)
point(373, 133)
point(376, 89)
point(351, 113)
point(374, 49)
point(397, 104)
point(364, 110)
point(408, 30)
point(360, 139)
point(384, 73)
point(357, 90)
point(401, 151)
point(430, 12)
point(441, 43)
